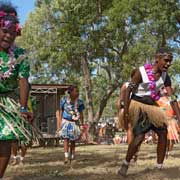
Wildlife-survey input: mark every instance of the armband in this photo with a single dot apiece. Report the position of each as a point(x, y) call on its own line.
point(23, 109)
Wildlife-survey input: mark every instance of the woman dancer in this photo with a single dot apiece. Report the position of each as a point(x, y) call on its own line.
point(14, 73)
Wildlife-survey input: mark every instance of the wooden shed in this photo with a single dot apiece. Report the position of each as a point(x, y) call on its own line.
point(47, 98)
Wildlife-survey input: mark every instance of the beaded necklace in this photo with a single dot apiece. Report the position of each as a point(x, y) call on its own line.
point(10, 63)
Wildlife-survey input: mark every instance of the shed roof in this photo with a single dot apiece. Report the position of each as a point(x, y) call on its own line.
point(48, 88)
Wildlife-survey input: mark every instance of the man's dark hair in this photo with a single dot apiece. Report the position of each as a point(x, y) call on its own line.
point(164, 51)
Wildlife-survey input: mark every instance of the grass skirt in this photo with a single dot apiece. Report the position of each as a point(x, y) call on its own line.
point(154, 113)
point(12, 125)
point(70, 130)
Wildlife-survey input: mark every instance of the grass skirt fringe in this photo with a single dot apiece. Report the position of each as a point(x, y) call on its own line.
point(154, 113)
point(12, 125)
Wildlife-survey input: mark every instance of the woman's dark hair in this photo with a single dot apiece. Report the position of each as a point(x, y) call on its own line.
point(71, 88)
point(8, 8)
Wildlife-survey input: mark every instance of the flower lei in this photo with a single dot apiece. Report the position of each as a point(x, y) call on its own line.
point(155, 95)
point(6, 74)
point(75, 114)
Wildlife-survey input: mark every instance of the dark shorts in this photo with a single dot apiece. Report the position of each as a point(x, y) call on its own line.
point(143, 126)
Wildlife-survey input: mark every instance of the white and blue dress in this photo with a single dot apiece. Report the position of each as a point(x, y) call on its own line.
point(70, 118)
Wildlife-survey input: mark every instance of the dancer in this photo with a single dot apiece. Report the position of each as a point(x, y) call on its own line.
point(173, 129)
point(14, 73)
point(141, 108)
point(70, 121)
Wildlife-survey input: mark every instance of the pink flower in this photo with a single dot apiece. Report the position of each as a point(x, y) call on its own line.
point(151, 78)
point(152, 86)
point(18, 28)
point(157, 97)
point(153, 96)
point(148, 66)
point(2, 14)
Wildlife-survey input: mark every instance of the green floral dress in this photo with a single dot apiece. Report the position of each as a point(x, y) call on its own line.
point(12, 126)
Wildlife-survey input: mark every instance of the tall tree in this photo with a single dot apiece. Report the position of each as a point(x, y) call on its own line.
point(96, 42)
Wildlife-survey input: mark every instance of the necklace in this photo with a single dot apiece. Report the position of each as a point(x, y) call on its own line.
point(155, 95)
point(8, 72)
point(75, 113)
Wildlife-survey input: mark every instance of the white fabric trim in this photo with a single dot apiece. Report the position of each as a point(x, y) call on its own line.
point(126, 84)
point(144, 75)
point(143, 89)
point(164, 74)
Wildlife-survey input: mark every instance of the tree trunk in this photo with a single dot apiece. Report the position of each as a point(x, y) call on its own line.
point(88, 89)
point(104, 100)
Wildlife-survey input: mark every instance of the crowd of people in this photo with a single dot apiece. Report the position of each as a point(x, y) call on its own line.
point(147, 105)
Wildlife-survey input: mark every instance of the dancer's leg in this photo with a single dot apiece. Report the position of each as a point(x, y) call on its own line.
point(14, 151)
point(5, 153)
point(134, 146)
point(66, 150)
point(129, 134)
point(132, 149)
point(161, 147)
point(23, 152)
point(72, 149)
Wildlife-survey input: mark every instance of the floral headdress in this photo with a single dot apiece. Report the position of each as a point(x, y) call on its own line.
point(8, 23)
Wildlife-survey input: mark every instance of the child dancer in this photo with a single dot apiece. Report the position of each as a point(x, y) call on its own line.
point(70, 121)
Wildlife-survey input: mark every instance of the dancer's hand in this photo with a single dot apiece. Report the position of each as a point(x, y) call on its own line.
point(28, 115)
point(58, 130)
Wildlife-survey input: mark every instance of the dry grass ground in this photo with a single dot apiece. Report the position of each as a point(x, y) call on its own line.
point(96, 162)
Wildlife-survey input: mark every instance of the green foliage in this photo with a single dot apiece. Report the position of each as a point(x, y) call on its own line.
point(115, 36)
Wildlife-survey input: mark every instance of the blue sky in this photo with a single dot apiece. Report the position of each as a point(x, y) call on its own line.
point(24, 7)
